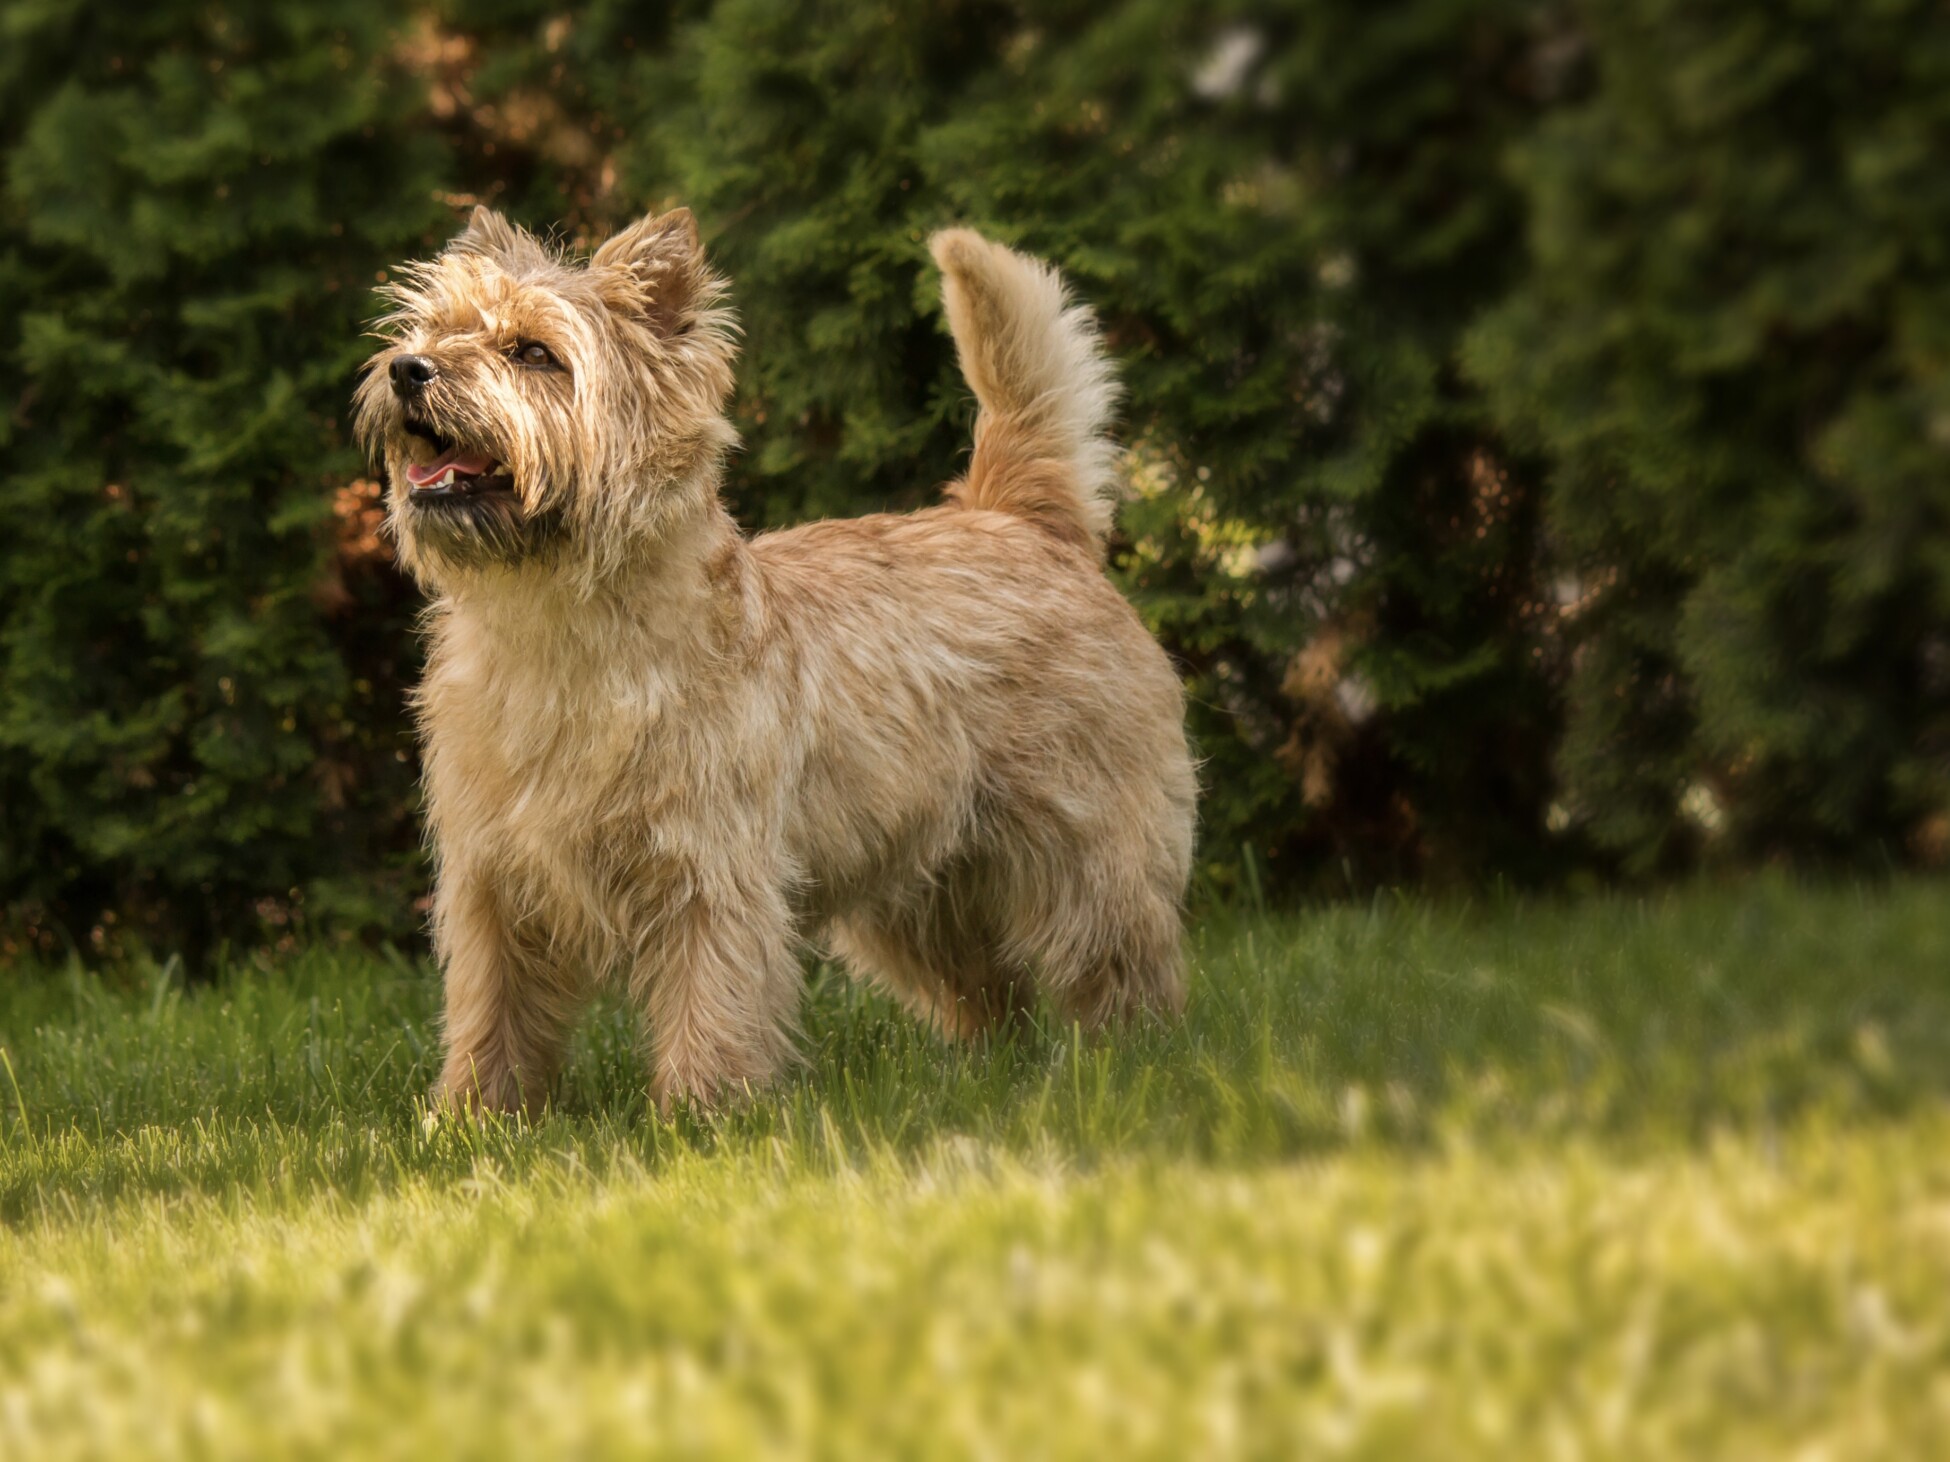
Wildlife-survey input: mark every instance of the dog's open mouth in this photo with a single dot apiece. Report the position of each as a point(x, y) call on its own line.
point(457, 474)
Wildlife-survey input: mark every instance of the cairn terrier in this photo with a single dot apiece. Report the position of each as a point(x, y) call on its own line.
point(940, 745)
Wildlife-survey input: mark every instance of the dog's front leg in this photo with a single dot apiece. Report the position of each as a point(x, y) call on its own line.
point(508, 1006)
point(719, 989)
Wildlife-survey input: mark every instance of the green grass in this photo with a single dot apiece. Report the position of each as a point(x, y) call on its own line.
point(1611, 1179)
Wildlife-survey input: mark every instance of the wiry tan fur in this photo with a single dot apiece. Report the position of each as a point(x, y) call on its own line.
point(941, 743)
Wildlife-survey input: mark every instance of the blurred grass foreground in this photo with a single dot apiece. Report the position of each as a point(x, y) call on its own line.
point(1609, 1178)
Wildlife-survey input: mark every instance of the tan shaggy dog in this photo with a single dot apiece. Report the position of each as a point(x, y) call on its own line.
point(940, 744)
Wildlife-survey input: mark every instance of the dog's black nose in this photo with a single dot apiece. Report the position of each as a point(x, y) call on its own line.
point(412, 374)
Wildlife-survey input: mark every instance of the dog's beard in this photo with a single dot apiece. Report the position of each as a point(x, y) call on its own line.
point(478, 532)
point(458, 500)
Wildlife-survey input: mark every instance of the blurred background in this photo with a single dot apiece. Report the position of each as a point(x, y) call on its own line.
point(1539, 412)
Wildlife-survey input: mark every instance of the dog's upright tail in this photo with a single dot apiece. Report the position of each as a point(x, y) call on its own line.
point(1043, 385)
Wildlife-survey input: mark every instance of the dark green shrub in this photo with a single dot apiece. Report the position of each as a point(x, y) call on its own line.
point(1733, 345)
point(199, 709)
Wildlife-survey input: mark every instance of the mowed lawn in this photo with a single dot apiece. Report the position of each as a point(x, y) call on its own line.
point(1613, 1178)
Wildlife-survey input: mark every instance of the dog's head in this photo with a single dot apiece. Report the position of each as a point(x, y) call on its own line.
point(527, 403)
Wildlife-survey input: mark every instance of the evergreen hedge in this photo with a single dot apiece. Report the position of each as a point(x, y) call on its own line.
point(1537, 410)
point(199, 726)
point(1732, 344)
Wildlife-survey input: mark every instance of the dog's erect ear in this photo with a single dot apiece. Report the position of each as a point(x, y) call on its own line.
point(663, 257)
point(487, 232)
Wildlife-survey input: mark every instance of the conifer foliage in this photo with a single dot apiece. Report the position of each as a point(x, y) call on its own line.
point(1732, 344)
point(198, 714)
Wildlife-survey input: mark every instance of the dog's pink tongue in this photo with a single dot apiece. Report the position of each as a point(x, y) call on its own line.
point(465, 464)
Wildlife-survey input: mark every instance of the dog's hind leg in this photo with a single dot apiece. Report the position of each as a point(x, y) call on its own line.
point(1117, 964)
point(937, 954)
point(1103, 938)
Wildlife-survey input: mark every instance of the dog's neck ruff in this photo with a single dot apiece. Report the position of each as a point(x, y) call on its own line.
point(666, 603)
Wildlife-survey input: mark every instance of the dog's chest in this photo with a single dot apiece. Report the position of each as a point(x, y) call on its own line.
point(557, 766)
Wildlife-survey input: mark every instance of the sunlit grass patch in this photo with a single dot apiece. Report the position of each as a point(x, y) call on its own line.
point(1618, 1178)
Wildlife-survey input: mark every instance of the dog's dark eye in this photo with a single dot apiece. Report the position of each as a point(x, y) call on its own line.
point(533, 353)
